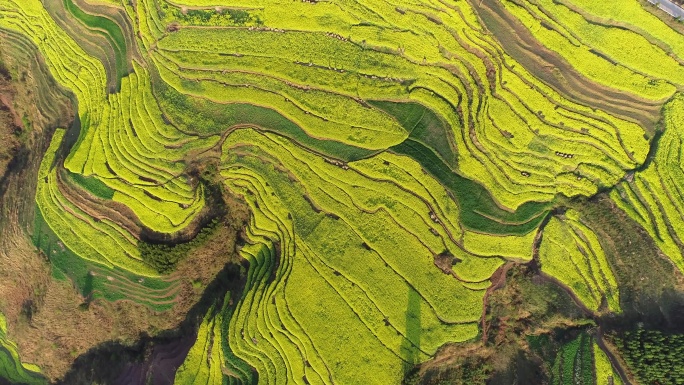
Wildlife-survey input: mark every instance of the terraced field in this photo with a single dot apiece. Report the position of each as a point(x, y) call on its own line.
point(11, 367)
point(394, 157)
point(581, 361)
point(652, 195)
point(570, 252)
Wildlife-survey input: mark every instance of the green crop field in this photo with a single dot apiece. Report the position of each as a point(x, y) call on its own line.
point(582, 361)
point(11, 368)
point(330, 192)
point(573, 365)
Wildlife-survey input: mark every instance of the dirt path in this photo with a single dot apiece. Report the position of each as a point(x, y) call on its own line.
point(599, 334)
point(498, 281)
point(613, 359)
point(536, 267)
point(6, 100)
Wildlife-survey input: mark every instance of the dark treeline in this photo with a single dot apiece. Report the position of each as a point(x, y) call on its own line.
point(655, 357)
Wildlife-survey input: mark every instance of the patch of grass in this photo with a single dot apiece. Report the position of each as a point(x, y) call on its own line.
point(423, 125)
point(478, 210)
point(93, 185)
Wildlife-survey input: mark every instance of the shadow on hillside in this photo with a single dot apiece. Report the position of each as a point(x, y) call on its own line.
point(410, 348)
point(157, 358)
point(87, 291)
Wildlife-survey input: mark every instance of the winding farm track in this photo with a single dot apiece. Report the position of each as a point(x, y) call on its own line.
point(669, 7)
point(611, 356)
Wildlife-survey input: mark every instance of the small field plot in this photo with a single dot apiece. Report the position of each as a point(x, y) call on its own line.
point(653, 196)
point(575, 362)
point(364, 254)
point(571, 253)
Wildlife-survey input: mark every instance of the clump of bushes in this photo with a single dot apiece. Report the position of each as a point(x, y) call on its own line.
point(93, 185)
point(213, 16)
point(164, 257)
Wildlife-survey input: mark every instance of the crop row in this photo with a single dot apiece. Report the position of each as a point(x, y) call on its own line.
point(605, 374)
point(317, 214)
point(574, 363)
point(98, 30)
point(337, 228)
point(626, 47)
point(136, 154)
point(582, 361)
point(631, 15)
point(205, 360)
point(654, 196)
point(510, 140)
point(330, 122)
point(571, 253)
point(91, 249)
point(22, 50)
point(340, 230)
point(598, 51)
point(123, 140)
point(527, 100)
point(98, 244)
point(68, 63)
point(358, 199)
point(239, 51)
point(263, 331)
